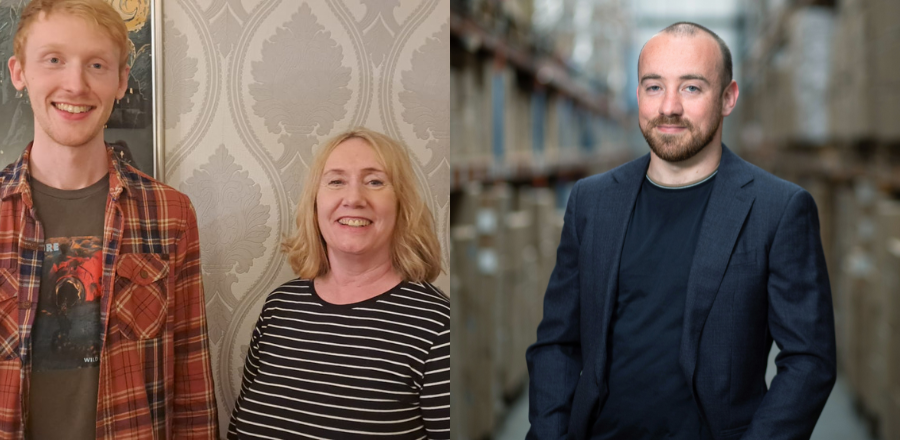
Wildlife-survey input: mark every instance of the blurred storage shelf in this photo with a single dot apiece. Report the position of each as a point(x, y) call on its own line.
point(520, 115)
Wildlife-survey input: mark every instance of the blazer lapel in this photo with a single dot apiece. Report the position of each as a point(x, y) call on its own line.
point(613, 213)
point(726, 211)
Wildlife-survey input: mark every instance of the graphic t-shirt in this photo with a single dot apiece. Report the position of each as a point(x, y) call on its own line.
point(65, 344)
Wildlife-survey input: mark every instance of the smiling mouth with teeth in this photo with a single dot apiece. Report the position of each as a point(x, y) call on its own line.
point(73, 108)
point(355, 222)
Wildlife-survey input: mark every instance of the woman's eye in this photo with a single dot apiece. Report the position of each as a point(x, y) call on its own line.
point(53, 60)
point(375, 182)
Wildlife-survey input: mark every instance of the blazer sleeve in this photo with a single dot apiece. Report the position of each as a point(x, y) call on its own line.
point(801, 321)
point(554, 360)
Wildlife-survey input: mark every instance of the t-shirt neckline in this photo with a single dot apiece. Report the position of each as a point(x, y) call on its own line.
point(372, 300)
point(707, 179)
point(70, 194)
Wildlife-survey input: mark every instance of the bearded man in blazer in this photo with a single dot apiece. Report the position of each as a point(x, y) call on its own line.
point(674, 275)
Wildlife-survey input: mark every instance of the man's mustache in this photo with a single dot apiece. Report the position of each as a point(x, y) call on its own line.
point(677, 121)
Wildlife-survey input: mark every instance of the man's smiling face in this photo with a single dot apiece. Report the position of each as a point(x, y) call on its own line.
point(680, 99)
point(72, 74)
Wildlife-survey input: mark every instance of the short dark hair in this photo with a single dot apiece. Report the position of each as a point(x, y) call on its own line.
point(687, 28)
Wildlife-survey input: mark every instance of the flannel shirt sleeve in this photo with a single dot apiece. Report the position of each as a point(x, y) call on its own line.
point(194, 401)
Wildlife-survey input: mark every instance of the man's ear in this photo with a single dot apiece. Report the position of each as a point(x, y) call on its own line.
point(729, 98)
point(123, 81)
point(16, 72)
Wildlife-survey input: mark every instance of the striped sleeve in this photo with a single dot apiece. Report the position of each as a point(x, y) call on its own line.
point(251, 369)
point(435, 397)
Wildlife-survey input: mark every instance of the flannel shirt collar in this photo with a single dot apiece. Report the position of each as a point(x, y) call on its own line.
point(121, 176)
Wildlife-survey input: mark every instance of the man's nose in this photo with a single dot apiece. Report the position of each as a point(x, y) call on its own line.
point(671, 104)
point(75, 81)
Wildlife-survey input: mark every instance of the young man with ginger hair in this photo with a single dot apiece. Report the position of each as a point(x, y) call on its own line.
point(102, 321)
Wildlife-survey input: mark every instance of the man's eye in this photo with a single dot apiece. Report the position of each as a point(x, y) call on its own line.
point(692, 89)
point(97, 66)
point(53, 60)
point(653, 88)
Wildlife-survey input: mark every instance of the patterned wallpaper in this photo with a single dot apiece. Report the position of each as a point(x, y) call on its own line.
point(251, 87)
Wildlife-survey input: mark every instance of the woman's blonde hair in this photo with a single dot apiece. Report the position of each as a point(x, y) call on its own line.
point(415, 250)
point(97, 12)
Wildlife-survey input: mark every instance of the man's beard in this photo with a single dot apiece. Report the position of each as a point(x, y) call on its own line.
point(678, 147)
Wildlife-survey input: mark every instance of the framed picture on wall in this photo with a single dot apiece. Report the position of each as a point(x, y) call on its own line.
point(134, 124)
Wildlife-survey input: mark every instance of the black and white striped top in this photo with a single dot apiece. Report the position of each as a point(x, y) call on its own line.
point(376, 368)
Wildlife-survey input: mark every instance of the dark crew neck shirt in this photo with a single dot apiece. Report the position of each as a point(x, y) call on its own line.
point(649, 397)
point(65, 339)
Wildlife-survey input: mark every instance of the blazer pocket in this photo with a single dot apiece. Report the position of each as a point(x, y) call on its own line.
point(141, 300)
point(9, 313)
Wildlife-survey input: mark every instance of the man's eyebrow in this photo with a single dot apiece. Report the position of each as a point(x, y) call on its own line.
point(56, 47)
point(695, 76)
point(683, 77)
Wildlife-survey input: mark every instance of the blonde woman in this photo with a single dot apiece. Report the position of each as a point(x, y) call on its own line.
point(359, 345)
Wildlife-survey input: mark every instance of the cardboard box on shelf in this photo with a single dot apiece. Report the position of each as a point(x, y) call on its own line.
point(850, 104)
point(891, 423)
point(460, 241)
point(883, 16)
point(552, 129)
point(888, 244)
point(475, 267)
point(474, 391)
point(519, 261)
point(850, 259)
point(868, 314)
point(886, 98)
point(471, 143)
point(520, 154)
point(810, 31)
point(460, 112)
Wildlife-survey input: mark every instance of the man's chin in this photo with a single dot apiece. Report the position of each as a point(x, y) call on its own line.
point(75, 139)
point(675, 152)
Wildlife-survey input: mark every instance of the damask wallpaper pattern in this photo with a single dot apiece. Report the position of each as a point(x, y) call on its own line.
point(251, 87)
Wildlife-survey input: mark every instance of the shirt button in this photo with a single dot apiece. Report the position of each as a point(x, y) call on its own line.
point(144, 274)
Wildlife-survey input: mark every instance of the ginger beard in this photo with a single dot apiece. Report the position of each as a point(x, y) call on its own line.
point(682, 146)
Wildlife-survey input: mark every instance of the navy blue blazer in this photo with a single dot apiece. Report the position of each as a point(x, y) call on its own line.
point(758, 275)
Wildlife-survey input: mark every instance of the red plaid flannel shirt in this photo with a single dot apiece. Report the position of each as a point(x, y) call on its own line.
point(155, 375)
